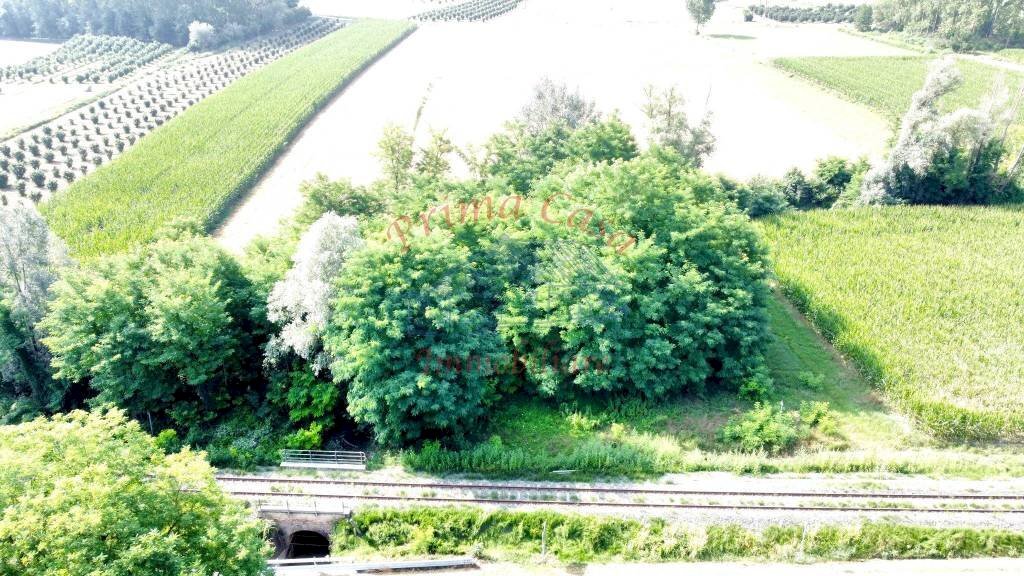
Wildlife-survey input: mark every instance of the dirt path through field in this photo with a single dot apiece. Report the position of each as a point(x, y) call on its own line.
point(475, 76)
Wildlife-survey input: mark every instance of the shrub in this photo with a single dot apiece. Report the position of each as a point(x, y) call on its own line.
point(510, 535)
point(554, 105)
point(764, 428)
point(761, 197)
point(774, 430)
point(340, 197)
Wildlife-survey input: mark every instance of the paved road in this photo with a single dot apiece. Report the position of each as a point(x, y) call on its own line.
point(985, 567)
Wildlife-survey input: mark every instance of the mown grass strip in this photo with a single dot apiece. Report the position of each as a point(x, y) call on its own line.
point(927, 301)
point(199, 164)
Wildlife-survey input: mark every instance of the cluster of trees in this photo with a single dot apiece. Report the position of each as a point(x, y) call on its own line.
point(962, 24)
point(939, 157)
point(165, 21)
point(947, 157)
point(404, 339)
point(824, 13)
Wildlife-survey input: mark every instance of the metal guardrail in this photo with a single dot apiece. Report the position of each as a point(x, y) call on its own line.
point(323, 459)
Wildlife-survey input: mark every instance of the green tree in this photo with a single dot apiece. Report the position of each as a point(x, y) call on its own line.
point(92, 495)
point(682, 309)
point(863, 18)
point(671, 128)
point(524, 157)
point(409, 337)
point(164, 330)
point(701, 11)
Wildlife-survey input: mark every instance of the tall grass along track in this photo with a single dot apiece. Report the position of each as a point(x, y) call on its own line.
point(200, 163)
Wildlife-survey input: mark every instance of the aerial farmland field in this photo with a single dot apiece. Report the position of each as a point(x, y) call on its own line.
point(470, 94)
point(887, 84)
point(925, 301)
point(203, 184)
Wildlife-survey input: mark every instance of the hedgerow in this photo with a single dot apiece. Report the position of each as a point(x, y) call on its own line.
point(202, 161)
point(825, 13)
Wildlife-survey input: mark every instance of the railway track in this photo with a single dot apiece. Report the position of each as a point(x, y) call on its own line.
point(625, 490)
point(328, 489)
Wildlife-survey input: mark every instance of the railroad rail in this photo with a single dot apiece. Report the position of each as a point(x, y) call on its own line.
point(318, 489)
point(625, 490)
point(633, 505)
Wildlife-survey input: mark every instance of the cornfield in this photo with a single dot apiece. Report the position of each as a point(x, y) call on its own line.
point(887, 83)
point(927, 301)
point(198, 164)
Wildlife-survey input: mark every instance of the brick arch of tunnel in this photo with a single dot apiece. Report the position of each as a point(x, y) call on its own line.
point(307, 526)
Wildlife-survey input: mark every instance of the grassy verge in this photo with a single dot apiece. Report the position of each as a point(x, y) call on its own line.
point(198, 164)
point(927, 301)
point(570, 538)
point(534, 439)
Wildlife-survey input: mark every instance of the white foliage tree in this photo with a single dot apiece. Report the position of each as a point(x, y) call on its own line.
point(31, 258)
point(553, 103)
point(301, 302)
point(928, 136)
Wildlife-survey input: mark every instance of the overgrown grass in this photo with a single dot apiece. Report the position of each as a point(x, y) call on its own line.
point(887, 83)
point(534, 439)
point(927, 301)
point(570, 538)
point(198, 164)
point(1012, 54)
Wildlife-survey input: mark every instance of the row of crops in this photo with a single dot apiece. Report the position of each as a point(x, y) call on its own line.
point(474, 10)
point(88, 59)
point(927, 301)
point(53, 156)
point(887, 83)
point(825, 13)
point(199, 164)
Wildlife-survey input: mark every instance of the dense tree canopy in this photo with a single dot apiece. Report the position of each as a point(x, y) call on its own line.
point(164, 330)
point(159, 20)
point(91, 495)
point(411, 340)
point(571, 266)
point(679, 310)
point(962, 23)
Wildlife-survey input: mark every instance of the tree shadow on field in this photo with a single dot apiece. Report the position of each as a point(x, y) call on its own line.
point(732, 37)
